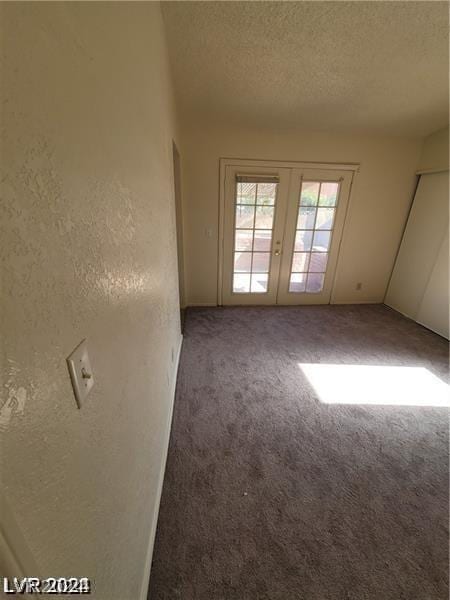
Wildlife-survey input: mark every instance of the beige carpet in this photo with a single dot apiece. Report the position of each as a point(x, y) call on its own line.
point(272, 494)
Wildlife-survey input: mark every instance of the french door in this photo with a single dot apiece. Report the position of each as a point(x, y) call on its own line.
point(282, 228)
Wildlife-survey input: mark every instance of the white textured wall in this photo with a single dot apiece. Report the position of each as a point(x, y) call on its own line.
point(434, 153)
point(87, 250)
point(378, 208)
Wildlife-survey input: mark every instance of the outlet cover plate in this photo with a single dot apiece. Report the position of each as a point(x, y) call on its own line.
point(81, 373)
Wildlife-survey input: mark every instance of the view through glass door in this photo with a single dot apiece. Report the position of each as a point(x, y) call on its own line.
point(282, 231)
point(254, 217)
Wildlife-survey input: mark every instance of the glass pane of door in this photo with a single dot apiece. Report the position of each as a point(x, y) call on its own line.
point(317, 205)
point(253, 232)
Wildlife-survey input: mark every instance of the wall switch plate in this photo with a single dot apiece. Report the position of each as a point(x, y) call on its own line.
point(81, 373)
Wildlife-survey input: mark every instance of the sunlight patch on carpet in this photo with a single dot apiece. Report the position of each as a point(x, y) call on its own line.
point(376, 384)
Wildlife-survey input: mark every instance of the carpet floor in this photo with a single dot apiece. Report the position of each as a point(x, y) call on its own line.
point(272, 494)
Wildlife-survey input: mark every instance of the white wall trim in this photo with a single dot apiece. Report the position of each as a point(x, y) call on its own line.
point(16, 559)
point(424, 325)
point(434, 330)
point(431, 171)
point(250, 162)
point(148, 560)
point(378, 301)
point(200, 304)
point(222, 171)
point(342, 242)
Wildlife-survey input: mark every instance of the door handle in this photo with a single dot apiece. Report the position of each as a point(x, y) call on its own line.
point(277, 252)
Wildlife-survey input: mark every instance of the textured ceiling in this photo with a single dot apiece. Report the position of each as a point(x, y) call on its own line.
point(340, 66)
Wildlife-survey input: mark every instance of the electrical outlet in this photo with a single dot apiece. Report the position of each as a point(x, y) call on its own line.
point(359, 286)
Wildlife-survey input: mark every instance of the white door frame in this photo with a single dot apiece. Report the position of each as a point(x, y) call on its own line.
point(241, 162)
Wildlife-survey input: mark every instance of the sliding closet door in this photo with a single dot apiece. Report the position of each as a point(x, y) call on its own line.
point(419, 252)
point(433, 311)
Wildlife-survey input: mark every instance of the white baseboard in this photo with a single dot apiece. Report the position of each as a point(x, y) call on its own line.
point(336, 302)
point(151, 541)
point(441, 333)
point(206, 304)
point(391, 306)
point(200, 304)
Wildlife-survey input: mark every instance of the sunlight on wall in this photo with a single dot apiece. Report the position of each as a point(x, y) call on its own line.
point(370, 384)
